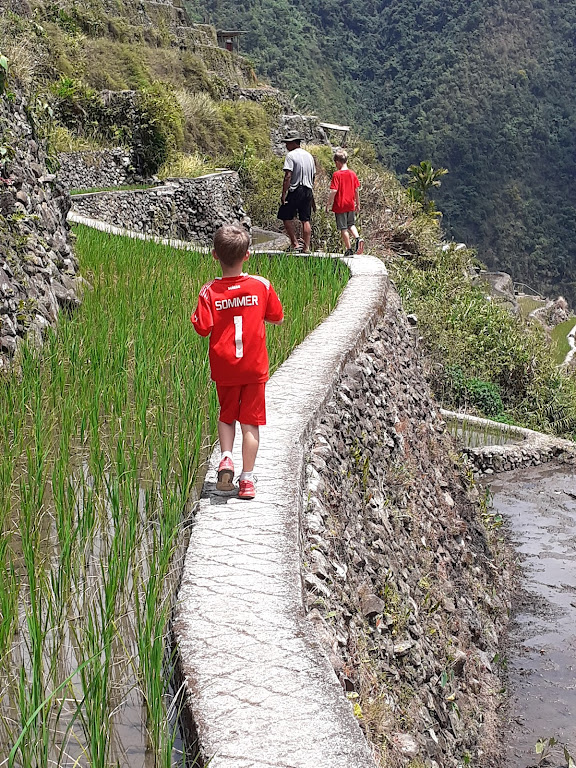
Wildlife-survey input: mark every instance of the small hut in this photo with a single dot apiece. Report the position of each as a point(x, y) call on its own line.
point(229, 39)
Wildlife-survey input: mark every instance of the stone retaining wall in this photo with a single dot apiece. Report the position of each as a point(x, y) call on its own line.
point(400, 575)
point(186, 209)
point(37, 266)
point(527, 448)
point(96, 168)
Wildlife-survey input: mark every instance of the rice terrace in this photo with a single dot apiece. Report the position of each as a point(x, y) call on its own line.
point(102, 439)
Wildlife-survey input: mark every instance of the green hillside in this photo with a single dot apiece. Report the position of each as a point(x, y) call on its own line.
point(482, 87)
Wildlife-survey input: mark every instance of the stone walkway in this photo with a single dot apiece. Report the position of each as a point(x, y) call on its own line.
point(261, 690)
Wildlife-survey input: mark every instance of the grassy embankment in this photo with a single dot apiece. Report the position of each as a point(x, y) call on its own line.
point(102, 439)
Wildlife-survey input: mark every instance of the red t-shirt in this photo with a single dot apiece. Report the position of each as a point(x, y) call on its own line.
point(233, 310)
point(345, 183)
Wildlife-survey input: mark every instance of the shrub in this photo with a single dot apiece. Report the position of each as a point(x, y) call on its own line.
point(261, 179)
point(465, 392)
point(159, 130)
point(182, 165)
point(479, 353)
point(152, 123)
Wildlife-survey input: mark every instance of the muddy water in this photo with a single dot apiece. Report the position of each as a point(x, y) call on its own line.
point(539, 505)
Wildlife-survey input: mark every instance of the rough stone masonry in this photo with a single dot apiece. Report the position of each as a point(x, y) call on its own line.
point(37, 266)
point(401, 573)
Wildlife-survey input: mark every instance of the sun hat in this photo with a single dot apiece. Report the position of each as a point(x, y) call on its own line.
point(292, 136)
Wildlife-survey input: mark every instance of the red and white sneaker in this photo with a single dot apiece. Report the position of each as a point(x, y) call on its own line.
point(247, 489)
point(225, 475)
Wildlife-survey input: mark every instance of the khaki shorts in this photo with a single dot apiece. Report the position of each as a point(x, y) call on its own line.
point(345, 220)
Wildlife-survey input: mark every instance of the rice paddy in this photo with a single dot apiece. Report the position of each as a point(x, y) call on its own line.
point(559, 339)
point(103, 437)
point(475, 435)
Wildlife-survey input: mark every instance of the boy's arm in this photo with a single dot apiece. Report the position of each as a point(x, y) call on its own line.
point(202, 319)
point(331, 197)
point(274, 312)
point(357, 199)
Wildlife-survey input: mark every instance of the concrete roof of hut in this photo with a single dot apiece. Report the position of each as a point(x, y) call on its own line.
point(333, 127)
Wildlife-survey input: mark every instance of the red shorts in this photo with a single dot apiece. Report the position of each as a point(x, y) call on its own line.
point(244, 403)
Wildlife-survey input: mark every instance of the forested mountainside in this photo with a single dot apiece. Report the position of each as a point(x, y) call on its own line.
point(484, 88)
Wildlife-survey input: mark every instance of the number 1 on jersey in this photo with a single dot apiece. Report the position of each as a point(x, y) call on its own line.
point(238, 335)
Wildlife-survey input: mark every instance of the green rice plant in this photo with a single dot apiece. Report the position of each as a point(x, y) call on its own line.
point(559, 339)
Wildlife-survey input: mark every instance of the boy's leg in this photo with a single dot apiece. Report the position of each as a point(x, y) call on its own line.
point(229, 398)
point(342, 226)
point(353, 231)
point(345, 235)
point(252, 415)
point(250, 443)
point(226, 433)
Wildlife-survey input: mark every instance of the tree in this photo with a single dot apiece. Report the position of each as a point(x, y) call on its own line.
point(423, 178)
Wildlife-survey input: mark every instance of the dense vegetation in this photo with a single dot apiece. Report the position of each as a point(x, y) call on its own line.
point(481, 87)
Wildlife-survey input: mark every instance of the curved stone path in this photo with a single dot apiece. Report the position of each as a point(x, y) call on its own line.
point(261, 690)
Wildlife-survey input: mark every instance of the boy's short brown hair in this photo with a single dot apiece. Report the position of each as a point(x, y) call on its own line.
point(231, 242)
point(341, 155)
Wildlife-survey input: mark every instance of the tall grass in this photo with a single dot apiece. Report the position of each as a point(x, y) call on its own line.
point(102, 442)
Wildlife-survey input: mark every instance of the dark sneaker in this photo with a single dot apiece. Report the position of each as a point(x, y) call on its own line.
point(349, 252)
point(225, 475)
point(247, 490)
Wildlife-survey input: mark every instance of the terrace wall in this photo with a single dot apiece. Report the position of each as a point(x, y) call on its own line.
point(37, 265)
point(96, 168)
point(186, 209)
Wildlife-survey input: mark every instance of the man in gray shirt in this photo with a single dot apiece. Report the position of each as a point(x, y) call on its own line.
point(297, 196)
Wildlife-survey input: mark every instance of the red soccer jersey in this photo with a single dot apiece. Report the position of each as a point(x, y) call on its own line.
point(233, 310)
point(345, 183)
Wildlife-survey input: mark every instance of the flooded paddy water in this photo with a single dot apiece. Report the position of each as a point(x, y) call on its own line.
point(539, 507)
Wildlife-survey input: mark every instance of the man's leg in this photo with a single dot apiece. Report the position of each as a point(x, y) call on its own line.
point(250, 443)
point(306, 234)
point(290, 228)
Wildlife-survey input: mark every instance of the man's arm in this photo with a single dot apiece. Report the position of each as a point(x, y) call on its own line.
point(286, 185)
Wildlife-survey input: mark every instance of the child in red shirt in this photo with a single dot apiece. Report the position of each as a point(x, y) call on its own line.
point(344, 200)
point(232, 310)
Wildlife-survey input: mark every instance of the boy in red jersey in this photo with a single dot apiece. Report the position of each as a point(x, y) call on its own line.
point(232, 310)
point(344, 200)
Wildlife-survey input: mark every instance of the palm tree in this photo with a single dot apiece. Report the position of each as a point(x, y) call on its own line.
point(423, 178)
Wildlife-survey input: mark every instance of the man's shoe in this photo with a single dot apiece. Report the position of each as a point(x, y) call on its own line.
point(225, 475)
point(247, 490)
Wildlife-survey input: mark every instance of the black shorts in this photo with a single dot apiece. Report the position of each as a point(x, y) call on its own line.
point(298, 201)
